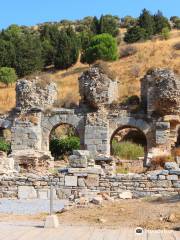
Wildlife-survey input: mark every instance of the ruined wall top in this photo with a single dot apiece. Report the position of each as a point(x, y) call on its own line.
point(35, 93)
point(160, 91)
point(96, 88)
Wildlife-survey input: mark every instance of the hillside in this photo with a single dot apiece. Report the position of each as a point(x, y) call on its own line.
point(156, 53)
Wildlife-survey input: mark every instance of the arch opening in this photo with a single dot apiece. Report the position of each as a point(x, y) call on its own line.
point(129, 144)
point(63, 139)
point(5, 140)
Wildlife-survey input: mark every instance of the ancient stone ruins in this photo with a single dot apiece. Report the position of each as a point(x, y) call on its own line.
point(98, 117)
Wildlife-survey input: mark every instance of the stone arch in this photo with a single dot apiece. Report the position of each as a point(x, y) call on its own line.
point(129, 122)
point(129, 136)
point(51, 122)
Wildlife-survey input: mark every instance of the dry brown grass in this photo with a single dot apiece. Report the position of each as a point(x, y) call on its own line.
point(156, 53)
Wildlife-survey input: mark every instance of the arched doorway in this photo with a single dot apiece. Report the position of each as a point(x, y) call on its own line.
point(129, 146)
point(63, 139)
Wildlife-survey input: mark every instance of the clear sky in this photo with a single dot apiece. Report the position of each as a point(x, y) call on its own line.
point(31, 12)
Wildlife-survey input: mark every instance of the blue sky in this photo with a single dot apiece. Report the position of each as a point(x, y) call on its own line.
point(31, 12)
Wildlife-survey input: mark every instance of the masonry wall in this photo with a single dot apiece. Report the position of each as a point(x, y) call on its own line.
point(88, 183)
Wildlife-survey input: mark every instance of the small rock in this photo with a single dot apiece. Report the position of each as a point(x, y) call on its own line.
point(97, 200)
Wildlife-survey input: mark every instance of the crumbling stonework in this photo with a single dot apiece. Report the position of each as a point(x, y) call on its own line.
point(96, 88)
point(160, 92)
point(95, 120)
point(35, 93)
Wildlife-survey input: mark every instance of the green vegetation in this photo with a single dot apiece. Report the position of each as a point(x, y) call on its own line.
point(135, 34)
point(165, 33)
point(64, 146)
point(7, 75)
point(67, 51)
point(4, 146)
point(101, 47)
point(147, 26)
point(59, 44)
point(127, 150)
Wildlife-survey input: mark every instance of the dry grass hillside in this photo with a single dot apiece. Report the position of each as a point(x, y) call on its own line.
point(156, 53)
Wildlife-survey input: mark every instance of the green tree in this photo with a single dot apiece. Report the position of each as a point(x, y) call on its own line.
point(160, 22)
point(48, 52)
point(101, 47)
point(67, 51)
point(109, 24)
point(7, 53)
point(146, 21)
point(135, 34)
point(28, 52)
point(7, 75)
point(95, 26)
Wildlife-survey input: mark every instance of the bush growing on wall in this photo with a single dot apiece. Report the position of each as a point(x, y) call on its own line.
point(64, 146)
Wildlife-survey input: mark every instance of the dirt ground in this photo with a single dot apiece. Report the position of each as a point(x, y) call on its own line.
point(148, 213)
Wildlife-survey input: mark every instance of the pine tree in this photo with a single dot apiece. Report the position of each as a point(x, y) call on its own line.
point(67, 51)
point(146, 21)
point(160, 22)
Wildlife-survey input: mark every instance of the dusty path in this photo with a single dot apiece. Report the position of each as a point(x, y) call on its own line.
point(35, 231)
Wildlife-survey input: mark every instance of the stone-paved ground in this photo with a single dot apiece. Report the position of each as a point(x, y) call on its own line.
point(15, 206)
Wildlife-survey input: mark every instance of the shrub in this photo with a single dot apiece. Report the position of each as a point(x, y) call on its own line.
point(165, 33)
point(4, 146)
point(101, 47)
point(127, 150)
point(128, 51)
point(64, 146)
point(176, 46)
point(7, 75)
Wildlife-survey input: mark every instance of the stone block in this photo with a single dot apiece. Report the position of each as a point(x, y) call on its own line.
point(81, 153)
point(71, 181)
point(92, 180)
point(161, 177)
point(171, 165)
point(45, 194)
point(176, 184)
point(81, 182)
point(27, 192)
point(175, 172)
point(78, 161)
point(172, 177)
point(125, 195)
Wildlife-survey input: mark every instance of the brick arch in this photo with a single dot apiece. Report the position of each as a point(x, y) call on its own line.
point(51, 122)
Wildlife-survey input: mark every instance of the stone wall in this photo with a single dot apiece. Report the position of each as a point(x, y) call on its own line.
point(90, 182)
